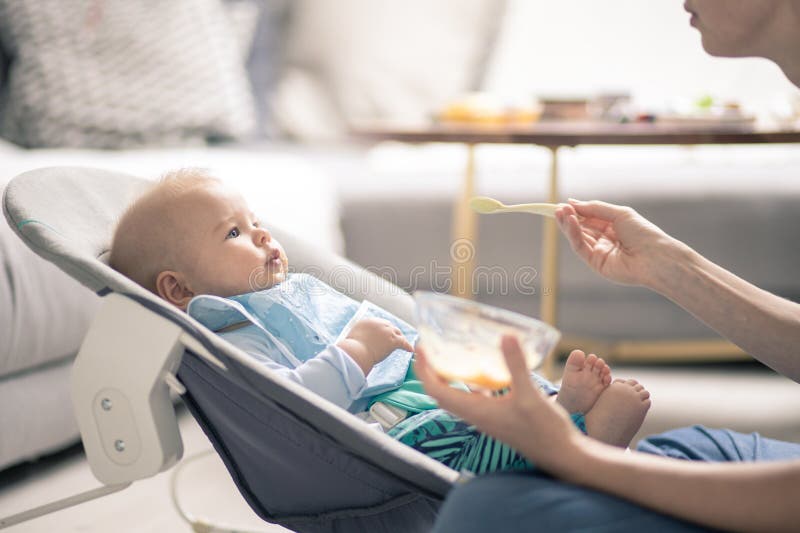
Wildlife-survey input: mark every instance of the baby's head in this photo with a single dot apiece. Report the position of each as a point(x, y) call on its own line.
point(190, 234)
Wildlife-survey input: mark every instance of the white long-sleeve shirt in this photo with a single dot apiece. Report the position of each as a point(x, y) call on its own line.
point(332, 373)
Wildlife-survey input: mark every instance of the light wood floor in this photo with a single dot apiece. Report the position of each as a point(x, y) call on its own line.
point(204, 489)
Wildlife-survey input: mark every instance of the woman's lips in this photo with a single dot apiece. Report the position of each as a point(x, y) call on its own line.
point(688, 9)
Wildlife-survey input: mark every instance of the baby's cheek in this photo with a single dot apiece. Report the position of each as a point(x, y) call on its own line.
point(223, 281)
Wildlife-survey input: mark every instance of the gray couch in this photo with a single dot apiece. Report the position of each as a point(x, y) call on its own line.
point(43, 317)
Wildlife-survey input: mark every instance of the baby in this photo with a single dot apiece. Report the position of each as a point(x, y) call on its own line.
point(195, 243)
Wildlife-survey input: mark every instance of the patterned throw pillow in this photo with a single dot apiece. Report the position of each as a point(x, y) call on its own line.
point(122, 73)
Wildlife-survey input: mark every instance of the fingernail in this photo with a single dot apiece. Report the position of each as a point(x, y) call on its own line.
point(508, 340)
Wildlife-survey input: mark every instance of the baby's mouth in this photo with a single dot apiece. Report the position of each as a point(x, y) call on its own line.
point(274, 258)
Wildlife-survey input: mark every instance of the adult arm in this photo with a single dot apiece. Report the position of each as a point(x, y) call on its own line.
point(731, 496)
point(624, 247)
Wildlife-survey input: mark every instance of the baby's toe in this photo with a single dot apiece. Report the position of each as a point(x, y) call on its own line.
point(576, 360)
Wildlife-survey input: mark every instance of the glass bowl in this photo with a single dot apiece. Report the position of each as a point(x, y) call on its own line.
point(461, 339)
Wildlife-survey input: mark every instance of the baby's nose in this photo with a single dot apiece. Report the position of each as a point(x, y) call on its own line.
point(261, 235)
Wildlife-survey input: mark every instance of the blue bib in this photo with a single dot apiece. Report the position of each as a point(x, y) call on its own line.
point(301, 317)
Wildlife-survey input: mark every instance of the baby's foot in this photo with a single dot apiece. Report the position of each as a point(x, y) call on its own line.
point(618, 413)
point(585, 377)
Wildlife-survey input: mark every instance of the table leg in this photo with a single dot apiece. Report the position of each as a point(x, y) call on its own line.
point(464, 233)
point(549, 262)
point(676, 351)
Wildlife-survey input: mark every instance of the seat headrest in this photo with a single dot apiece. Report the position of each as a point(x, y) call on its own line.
point(67, 215)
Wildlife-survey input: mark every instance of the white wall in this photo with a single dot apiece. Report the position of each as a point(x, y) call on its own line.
point(645, 47)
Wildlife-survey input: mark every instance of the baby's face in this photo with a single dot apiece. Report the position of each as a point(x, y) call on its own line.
point(223, 250)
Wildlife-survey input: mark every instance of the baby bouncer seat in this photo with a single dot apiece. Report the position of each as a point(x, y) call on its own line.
point(297, 459)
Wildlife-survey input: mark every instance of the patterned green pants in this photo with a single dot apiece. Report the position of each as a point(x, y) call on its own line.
point(459, 445)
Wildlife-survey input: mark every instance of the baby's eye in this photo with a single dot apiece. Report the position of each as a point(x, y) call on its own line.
point(233, 233)
point(256, 224)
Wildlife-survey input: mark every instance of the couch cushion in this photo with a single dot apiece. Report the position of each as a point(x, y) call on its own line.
point(278, 181)
point(264, 53)
point(354, 60)
point(43, 312)
point(36, 413)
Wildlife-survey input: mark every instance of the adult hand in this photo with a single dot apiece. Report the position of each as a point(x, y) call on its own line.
point(522, 418)
point(615, 241)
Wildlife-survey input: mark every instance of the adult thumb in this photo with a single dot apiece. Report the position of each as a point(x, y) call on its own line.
point(598, 209)
point(515, 360)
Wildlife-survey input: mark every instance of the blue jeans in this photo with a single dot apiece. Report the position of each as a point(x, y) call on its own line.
point(512, 502)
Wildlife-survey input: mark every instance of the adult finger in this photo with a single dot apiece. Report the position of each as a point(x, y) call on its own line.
point(598, 209)
point(578, 241)
point(515, 360)
point(463, 404)
point(562, 211)
point(574, 231)
point(434, 383)
point(593, 224)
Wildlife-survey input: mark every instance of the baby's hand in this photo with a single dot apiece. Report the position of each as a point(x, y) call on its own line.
point(371, 340)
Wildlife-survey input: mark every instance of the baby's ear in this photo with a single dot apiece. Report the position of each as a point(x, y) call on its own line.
point(171, 287)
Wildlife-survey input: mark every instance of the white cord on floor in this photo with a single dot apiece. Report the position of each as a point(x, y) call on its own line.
point(199, 525)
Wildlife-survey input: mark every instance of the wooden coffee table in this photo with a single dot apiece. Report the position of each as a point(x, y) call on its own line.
point(554, 135)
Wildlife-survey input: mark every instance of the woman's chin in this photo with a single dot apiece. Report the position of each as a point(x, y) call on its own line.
point(717, 49)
